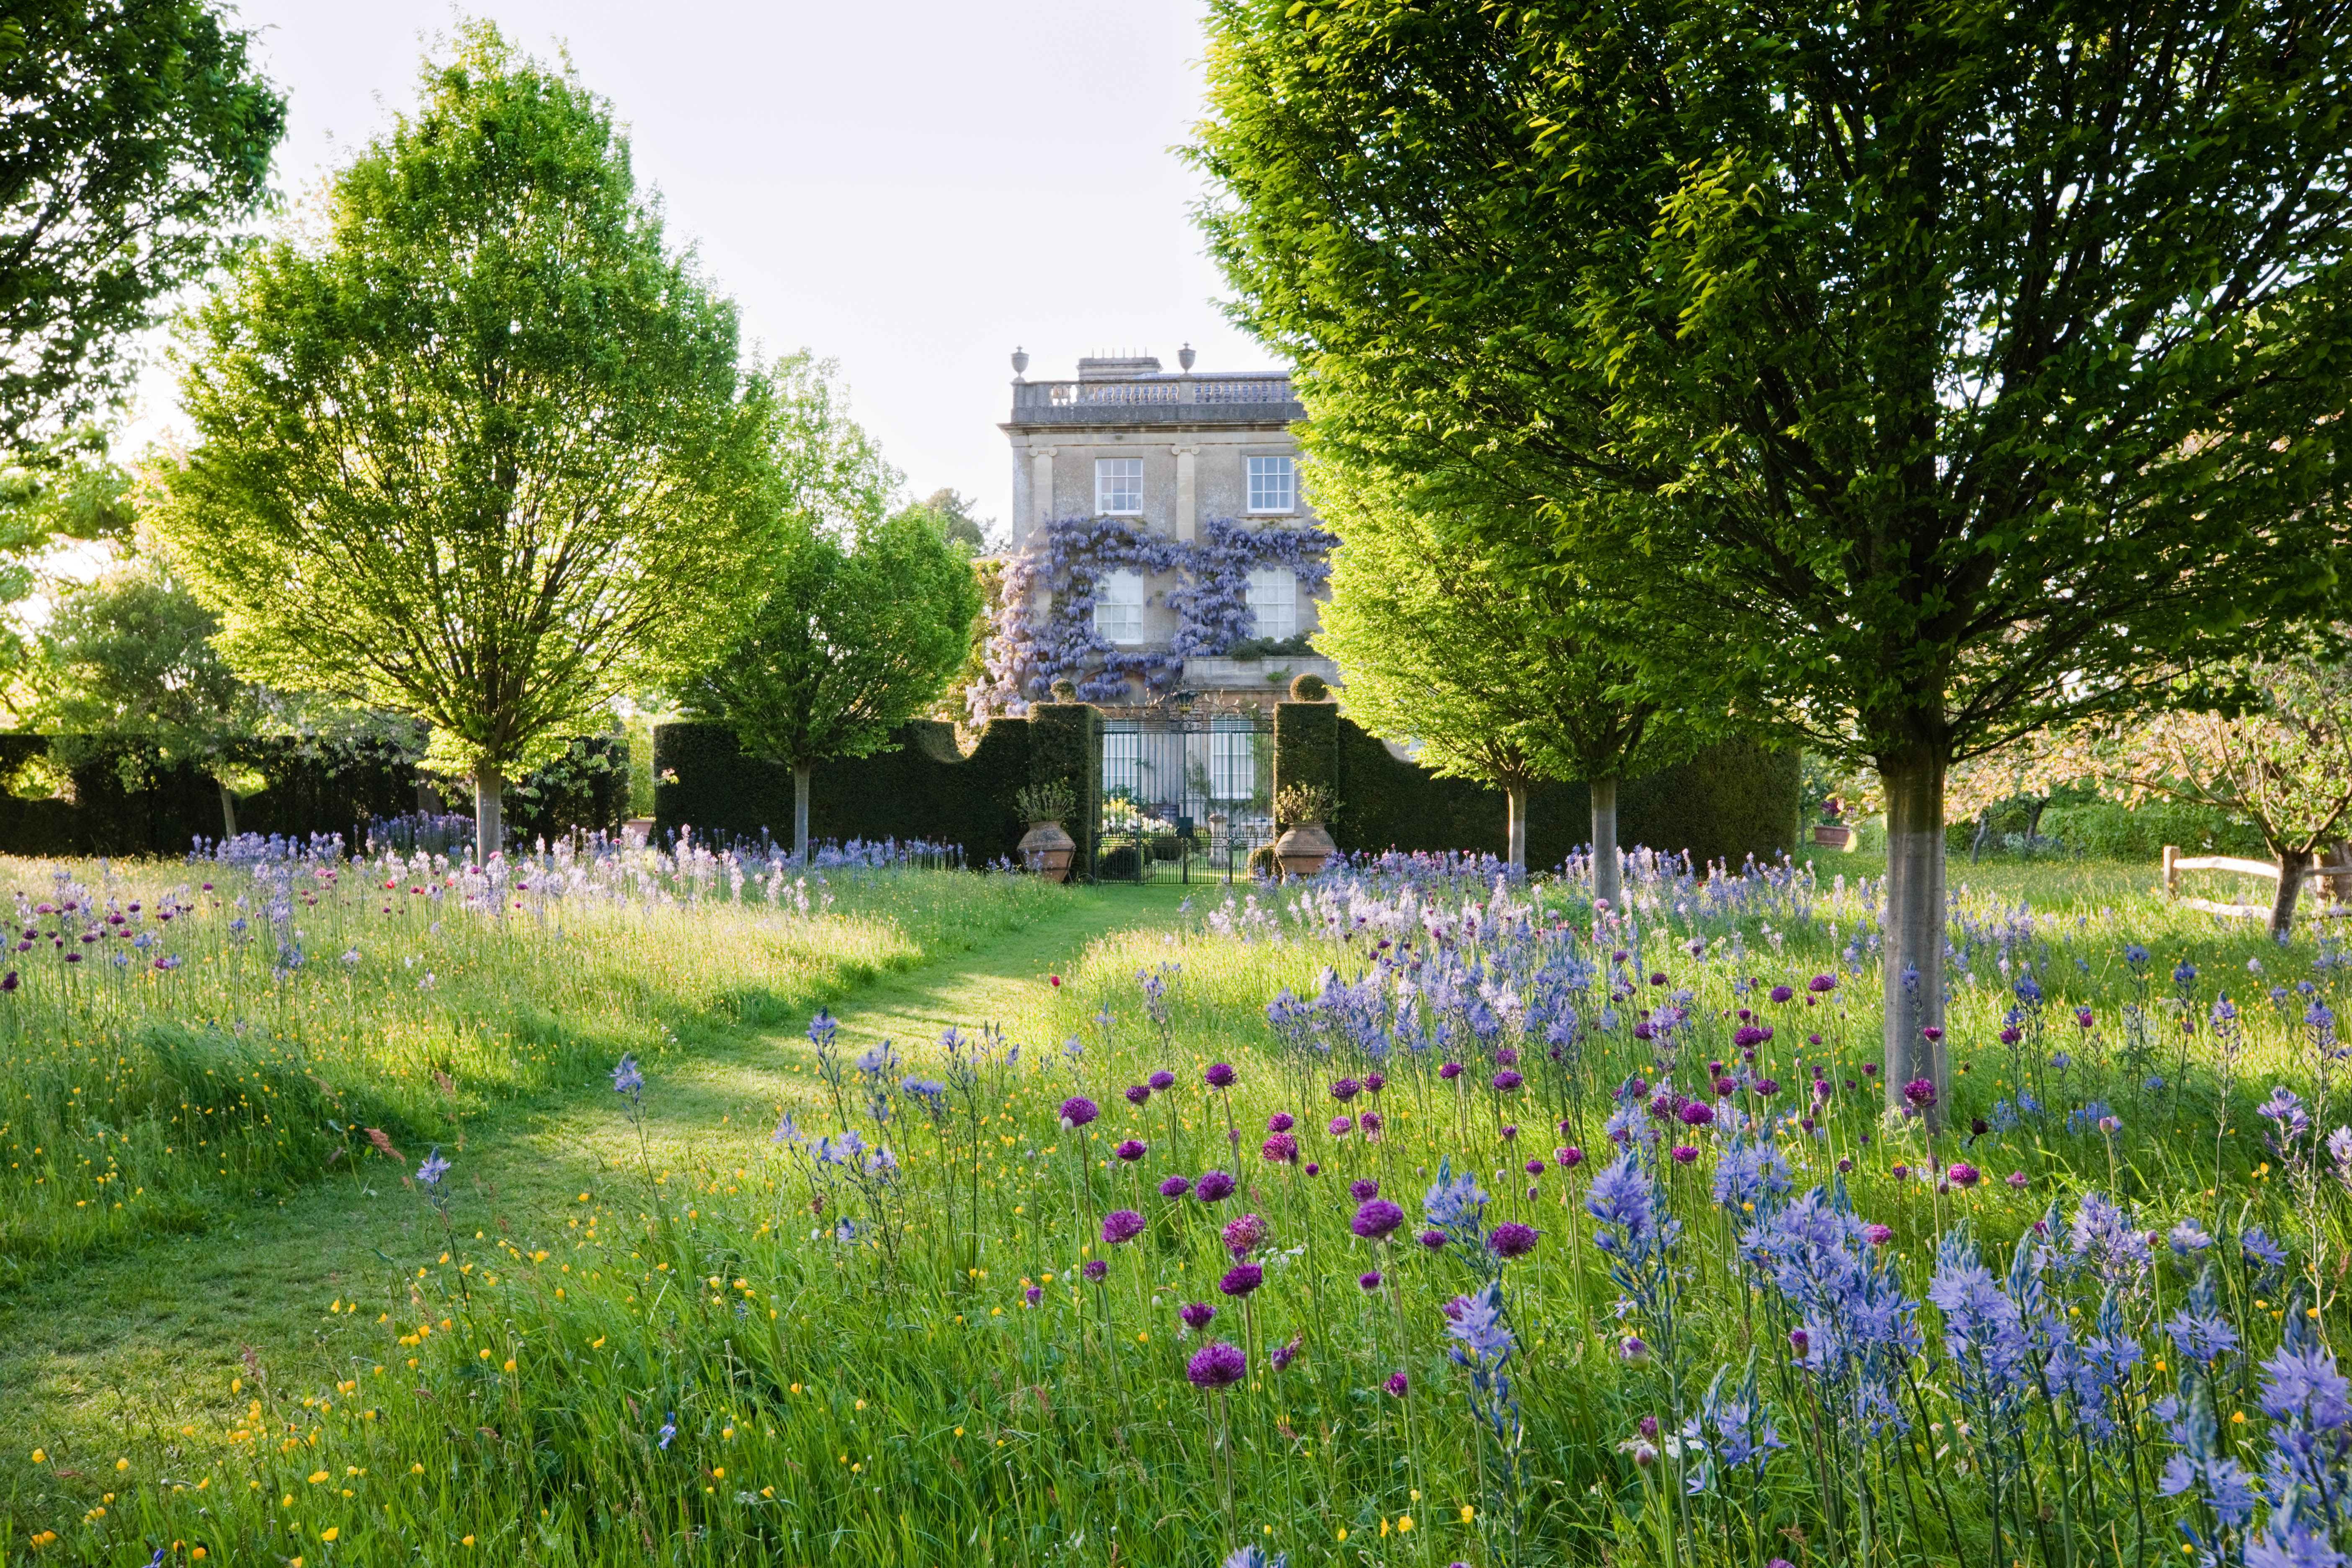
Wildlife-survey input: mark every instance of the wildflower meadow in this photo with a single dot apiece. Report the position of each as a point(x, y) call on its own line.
point(1414, 1213)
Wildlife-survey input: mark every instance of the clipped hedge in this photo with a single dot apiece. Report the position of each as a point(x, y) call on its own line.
point(303, 795)
point(1731, 800)
point(922, 788)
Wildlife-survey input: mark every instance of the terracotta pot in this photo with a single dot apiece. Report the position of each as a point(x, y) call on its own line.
point(1045, 850)
point(1834, 836)
point(1304, 850)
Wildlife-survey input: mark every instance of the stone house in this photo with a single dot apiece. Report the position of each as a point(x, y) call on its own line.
point(1171, 453)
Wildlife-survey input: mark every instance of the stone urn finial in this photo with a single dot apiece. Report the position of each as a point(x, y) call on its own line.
point(1185, 356)
point(1020, 361)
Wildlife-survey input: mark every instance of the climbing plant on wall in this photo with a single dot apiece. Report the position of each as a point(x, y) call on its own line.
point(1029, 649)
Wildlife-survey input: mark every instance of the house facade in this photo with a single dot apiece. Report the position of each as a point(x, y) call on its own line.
point(1170, 504)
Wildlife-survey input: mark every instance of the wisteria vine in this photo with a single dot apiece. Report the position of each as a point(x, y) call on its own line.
point(1029, 651)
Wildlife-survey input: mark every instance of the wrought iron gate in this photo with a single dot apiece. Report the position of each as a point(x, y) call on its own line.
point(1185, 796)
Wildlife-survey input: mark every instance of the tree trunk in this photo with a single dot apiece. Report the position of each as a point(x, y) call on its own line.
point(1984, 829)
point(800, 812)
point(1606, 884)
point(489, 812)
point(1913, 929)
point(2291, 863)
point(228, 810)
point(1515, 835)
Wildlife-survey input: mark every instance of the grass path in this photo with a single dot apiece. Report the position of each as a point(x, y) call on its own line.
point(152, 1338)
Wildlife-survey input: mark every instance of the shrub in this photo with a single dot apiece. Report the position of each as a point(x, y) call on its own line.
point(1309, 686)
point(1049, 802)
point(2127, 833)
point(1295, 804)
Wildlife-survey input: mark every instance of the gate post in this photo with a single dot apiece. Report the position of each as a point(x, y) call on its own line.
point(1066, 745)
point(1307, 749)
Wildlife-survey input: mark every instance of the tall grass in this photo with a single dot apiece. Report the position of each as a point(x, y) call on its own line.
point(176, 1039)
point(797, 1350)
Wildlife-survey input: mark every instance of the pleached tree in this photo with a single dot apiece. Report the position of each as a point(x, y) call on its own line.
point(1927, 374)
point(478, 451)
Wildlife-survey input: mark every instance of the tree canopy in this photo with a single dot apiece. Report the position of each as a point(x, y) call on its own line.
point(1921, 375)
point(130, 134)
point(131, 655)
point(480, 453)
point(858, 632)
point(1500, 670)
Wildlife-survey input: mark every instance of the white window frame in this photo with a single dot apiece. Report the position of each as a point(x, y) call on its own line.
point(1122, 762)
point(1233, 764)
point(1111, 475)
point(1262, 487)
point(1274, 602)
point(1118, 606)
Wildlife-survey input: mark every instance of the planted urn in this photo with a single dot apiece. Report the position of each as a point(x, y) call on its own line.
point(1047, 848)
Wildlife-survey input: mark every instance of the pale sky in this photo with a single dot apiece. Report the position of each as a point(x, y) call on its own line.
point(911, 190)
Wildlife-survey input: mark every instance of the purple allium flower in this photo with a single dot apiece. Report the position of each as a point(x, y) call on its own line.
point(1748, 1035)
point(1534, 1167)
point(1163, 1080)
point(1034, 1294)
point(1648, 1427)
point(1512, 1240)
point(1450, 1071)
point(1965, 1176)
point(1138, 1093)
point(1870, 1070)
point(1312, 1168)
point(1215, 1366)
point(1279, 1149)
point(1096, 1268)
point(1920, 1092)
point(1346, 1089)
point(1374, 1083)
point(1725, 1086)
point(1508, 1131)
point(1280, 1122)
point(1901, 1172)
point(1214, 1187)
point(1683, 1153)
point(1370, 1281)
point(1245, 1235)
point(1363, 1187)
point(1131, 1150)
point(1369, 1121)
point(2018, 1180)
point(1396, 1385)
point(1121, 1226)
point(2011, 1035)
point(1781, 994)
point(1242, 1278)
point(1932, 1033)
point(1843, 1166)
point(1877, 1234)
point(1768, 1087)
point(1569, 1158)
point(1340, 1126)
point(1196, 1315)
point(1376, 1219)
point(1632, 1351)
point(1220, 1075)
point(1506, 1081)
point(2083, 1017)
point(1175, 1187)
point(1433, 1240)
point(1077, 1110)
point(1801, 1342)
point(1697, 1113)
point(1281, 1356)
